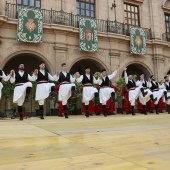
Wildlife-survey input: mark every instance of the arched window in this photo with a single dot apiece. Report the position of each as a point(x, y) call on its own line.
point(86, 8)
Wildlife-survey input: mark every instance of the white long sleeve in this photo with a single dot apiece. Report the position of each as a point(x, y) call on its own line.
point(52, 78)
point(4, 77)
point(72, 79)
point(79, 79)
point(95, 81)
point(138, 83)
point(112, 75)
point(126, 77)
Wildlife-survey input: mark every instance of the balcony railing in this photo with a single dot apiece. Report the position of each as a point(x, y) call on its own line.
point(68, 19)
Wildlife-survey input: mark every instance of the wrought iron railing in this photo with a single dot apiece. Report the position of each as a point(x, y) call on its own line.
point(69, 19)
point(166, 36)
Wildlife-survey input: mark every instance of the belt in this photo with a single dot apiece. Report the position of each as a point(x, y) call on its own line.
point(41, 82)
point(19, 84)
point(155, 89)
point(104, 87)
point(131, 89)
point(145, 87)
point(66, 82)
point(88, 85)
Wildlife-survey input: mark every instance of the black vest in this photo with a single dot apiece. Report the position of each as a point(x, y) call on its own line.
point(19, 79)
point(106, 82)
point(42, 77)
point(154, 86)
point(168, 87)
point(0, 75)
point(62, 77)
point(86, 80)
point(131, 84)
point(144, 84)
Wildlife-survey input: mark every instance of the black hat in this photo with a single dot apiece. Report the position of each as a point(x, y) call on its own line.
point(165, 76)
point(87, 67)
point(151, 76)
point(63, 64)
point(41, 62)
point(19, 64)
point(103, 70)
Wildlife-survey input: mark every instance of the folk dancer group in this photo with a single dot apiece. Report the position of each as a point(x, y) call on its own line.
point(142, 89)
point(147, 90)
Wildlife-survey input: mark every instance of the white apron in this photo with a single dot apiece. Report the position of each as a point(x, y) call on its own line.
point(144, 100)
point(43, 90)
point(88, 94)
point(105, 94)
point(65, 93)
point(20, 93)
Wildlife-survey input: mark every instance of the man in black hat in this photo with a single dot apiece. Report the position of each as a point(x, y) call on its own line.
point(144, 99)
point(167, 86)
point(89, 92)
point(66, 89)
point(22, 86)
point(44, 88)
point(158, 91)
point(106, 92)
point(134, 91)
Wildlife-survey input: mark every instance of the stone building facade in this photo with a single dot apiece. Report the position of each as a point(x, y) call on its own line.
point(61, 37)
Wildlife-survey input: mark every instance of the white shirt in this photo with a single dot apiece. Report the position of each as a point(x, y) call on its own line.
point(21, 73)
point(50, 77)
point(95, 81)
point(72, 79)
point(4, 77)
point(109, 76)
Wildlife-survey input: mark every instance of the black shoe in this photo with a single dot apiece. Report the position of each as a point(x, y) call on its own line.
point(41, 117)
point(105, 114)
point(157, 113)
point(145, 114)
point(133, 114)
point(87, 115)
point(66, 115)
point(151, 111)
point(21, 118)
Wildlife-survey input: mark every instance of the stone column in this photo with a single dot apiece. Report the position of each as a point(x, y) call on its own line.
point(158, 67)
point(114, 61)
point(60, 56)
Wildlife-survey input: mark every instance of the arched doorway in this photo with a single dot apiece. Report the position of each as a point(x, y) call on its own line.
point(168, 72)
point(82, 64)
point(31, 62)
point(138, 69)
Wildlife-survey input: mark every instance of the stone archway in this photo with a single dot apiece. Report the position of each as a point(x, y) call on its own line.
point(81, 64)
point(31, 62)
point(138, 69)
point(168, 72)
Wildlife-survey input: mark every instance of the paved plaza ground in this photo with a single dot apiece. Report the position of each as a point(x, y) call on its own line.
point(119, 142)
